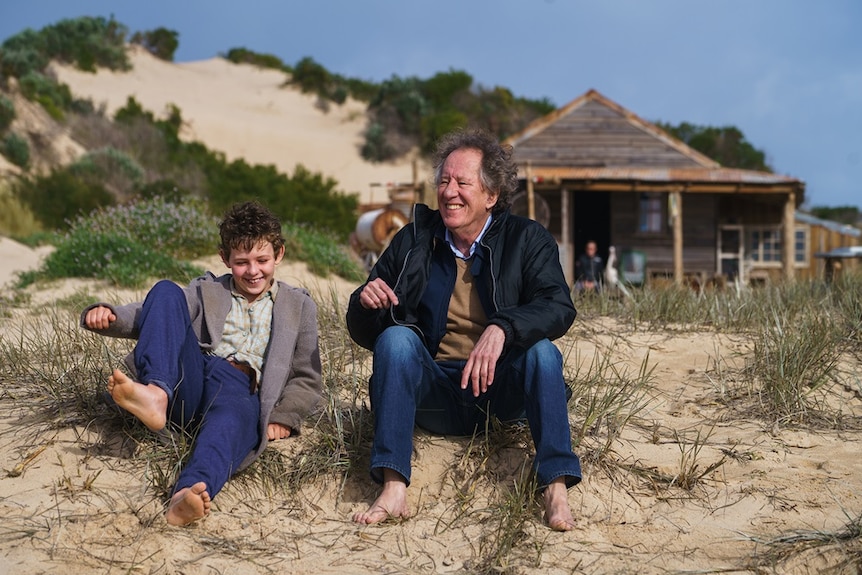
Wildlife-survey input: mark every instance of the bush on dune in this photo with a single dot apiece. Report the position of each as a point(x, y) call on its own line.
point(261, 60)
point(16, 219)
point(60, 196)
point(16, 150)
point(116, 259)
point(321, 251)
point(115, 170)
point(412, 112)
point(7, 113)
point(130, 244)
point(161, 42)
point(183, 230)
point(85, 42)
point(303, 197)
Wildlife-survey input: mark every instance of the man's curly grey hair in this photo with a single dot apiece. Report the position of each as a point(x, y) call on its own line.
point(499, 173)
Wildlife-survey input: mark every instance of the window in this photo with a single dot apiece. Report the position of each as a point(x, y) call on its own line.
point(650, 213)
point(764, 245)
point(801, 246)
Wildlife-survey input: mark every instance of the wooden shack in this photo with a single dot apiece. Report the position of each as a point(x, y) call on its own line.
point(602, 173)
point(819, 236)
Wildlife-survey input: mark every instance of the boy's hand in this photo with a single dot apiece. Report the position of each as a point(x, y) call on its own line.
point(277, 431)
point(99, 318)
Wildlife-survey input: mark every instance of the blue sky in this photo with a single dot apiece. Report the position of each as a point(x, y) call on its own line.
point(788, 73)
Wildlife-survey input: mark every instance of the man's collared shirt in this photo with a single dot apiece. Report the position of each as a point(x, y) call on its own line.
point(247, 328)
point(456, 251)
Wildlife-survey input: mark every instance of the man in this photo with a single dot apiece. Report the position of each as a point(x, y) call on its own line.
point(233, 358)
point(589, 268)
point(459, 312)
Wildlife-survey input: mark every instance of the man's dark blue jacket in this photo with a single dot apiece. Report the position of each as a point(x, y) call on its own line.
point(516, 268)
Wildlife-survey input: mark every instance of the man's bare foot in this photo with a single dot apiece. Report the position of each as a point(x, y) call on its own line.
point(147, 402)
point(558, 516)
point(189, 504)
point(390, 504)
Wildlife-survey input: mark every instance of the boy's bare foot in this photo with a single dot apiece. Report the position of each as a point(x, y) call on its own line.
point(558, 516)
point(390, 504)
point(147, 402)
point(189, 504)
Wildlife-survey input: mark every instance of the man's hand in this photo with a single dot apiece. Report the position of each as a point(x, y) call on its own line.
point(377, 295)
point(483, 360)
point(99, 318)
point(277, 431)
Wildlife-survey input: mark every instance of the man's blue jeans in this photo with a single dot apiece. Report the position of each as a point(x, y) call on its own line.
point(206, 395)
point(409, 388)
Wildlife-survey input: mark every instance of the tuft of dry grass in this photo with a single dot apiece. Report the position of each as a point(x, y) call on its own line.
point(606, 397)
point(16, 219)
point(838, 551)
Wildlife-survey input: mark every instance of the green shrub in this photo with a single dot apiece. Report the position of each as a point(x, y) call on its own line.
point(58, 197)
point(86, 42)
point(180, 230)
point(53, 96)
point(304, 197)
point(377, 147)
point(7, 113)
point(193, 169)
point(111, 168)
point(321, 251)
point(246, 56)
point(161, 42)
point(119, 260)
point(166, 189)
point(412, 112)
point(311, 77)
point(130, 244)
point(23, 53)
point(435, 126)
point(16, 149)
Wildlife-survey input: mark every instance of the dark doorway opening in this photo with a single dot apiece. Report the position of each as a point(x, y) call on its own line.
point(592, 214)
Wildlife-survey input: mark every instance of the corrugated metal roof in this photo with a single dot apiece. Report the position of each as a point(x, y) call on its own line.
point(829, 224)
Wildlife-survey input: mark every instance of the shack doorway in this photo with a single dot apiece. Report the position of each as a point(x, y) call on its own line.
point(592, 222)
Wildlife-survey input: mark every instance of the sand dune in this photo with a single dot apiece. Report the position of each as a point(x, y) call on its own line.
point(246, 112)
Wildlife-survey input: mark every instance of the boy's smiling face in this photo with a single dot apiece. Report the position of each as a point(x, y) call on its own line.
point(253, 270)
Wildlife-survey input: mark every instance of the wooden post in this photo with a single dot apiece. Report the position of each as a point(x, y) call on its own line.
point(789, 226)
point(531, 194)
point(676, 219)
point(566, 237)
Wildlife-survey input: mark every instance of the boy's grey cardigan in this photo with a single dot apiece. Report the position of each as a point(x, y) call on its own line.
point(290, 384)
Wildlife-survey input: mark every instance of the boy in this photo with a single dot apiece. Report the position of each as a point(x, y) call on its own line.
point(233, 358)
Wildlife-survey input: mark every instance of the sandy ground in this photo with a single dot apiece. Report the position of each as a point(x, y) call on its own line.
point(80, 507)
point(16, 257)
point(247, 112)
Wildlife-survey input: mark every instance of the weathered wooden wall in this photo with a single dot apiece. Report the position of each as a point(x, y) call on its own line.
point(823, 239)
point(700, 226)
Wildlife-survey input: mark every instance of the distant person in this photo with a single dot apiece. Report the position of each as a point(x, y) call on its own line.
point(460, 311)
point(233, 360)
point(588, 270)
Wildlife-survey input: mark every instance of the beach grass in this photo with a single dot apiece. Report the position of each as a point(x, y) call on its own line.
point(798, 337)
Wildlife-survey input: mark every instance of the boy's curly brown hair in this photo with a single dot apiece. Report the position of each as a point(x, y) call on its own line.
point(245, 225)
